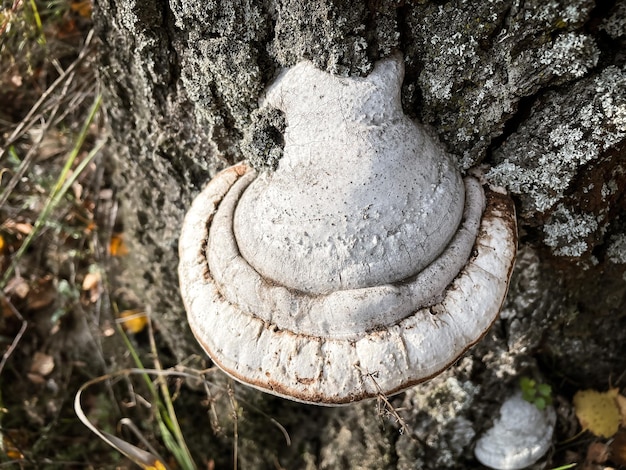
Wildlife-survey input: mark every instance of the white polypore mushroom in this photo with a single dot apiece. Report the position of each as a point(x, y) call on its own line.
point(520, 436)
point(363, 265)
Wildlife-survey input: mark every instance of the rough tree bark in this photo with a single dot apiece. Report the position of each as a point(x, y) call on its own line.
point(534, 91)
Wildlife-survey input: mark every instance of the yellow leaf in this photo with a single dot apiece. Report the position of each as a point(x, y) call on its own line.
point(117, 247)
point(9, 446)
point(2, 244)
point(83, 8)
point(156, 465)
point(133, 321)
point(597, 411)
point(91, 226)
point(14, 454)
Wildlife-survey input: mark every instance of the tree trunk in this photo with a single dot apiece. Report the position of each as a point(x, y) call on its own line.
point(534, 92)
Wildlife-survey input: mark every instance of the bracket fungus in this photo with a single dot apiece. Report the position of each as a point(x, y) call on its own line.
point(363, 264)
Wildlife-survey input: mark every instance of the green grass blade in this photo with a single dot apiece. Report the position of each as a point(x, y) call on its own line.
point(166, 416)
point(63, 184)
point(33, 6)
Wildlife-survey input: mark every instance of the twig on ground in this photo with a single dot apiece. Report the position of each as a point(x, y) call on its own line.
point(233, 404)
point(388, 406)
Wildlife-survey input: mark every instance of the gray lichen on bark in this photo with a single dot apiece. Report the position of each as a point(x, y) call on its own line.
point(542, 160)
point(229, 51)
point(477, 60)
point(533, 90)
point(224, 66)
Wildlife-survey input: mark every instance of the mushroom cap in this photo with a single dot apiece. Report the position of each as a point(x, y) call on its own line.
point(519, 437)
point(336, 367)
point(363, 265)
point(360, 187)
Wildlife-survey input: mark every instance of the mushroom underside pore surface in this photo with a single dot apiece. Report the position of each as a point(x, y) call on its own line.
point(351, 344)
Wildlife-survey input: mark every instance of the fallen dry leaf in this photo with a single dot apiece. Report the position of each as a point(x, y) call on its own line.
point(117, 247)
point(17, 286)
point(78, 189)
point(133, 321)
point(91, 280)
point(598, 412)
point(91, 285)
point(157, 465)
point(16, 80)
point(23, 228)
point(83, 8)
point(13, 227)
point(43, 364)
point(91, 226)
point(11, 442)
point(597, 452)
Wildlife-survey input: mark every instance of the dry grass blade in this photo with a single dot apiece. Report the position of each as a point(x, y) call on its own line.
point(214, 420)
point(30, 119)
point(128, 424)
point(382, 398)
point(139, 456)
point(64, 183)
point(134, 453)
point(167, 419)
point(233, 404)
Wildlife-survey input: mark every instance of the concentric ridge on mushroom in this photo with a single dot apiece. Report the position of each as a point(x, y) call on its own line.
point(363, 264)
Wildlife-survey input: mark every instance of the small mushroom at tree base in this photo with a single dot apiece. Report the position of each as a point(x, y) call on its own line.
point(363, 265)
point(520, 436)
